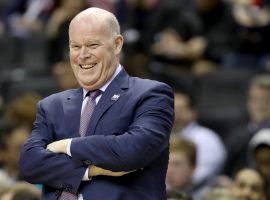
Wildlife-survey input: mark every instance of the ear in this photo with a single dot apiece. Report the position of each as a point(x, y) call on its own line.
point(118, 44)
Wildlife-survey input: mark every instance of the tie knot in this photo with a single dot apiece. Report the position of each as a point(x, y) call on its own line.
point(93, 94)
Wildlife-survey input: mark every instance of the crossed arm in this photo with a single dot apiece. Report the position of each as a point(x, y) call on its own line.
point(39, 165)
point(61, 147)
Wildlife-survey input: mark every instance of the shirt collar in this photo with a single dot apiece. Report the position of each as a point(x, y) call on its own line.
point(104, 87)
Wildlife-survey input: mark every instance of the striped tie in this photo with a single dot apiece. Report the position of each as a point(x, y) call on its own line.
point(85, 118)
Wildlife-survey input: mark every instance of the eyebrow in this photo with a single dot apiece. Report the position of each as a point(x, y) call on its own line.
point(87, 42)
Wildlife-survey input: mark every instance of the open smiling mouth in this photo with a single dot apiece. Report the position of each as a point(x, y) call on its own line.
point(89, 66)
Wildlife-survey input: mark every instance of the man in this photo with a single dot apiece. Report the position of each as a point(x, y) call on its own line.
point(259, 152)
point(249, 185)
point(21, 191)
point(177, 195)
point(182, 163)
point(12, 138)
point(205, 140)
point(219, 193)
point(128, 131)
point(258, 106)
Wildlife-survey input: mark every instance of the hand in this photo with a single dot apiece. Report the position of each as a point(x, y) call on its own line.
point(170, 45)
point(59, 146)
point(97, 171)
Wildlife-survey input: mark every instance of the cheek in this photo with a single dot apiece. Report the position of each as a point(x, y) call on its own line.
point(73, 56)
point(236, 191)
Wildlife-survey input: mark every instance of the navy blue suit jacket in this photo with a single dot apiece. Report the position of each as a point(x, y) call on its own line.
point(125, 134)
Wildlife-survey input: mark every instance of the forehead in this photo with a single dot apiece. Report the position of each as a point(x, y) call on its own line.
point(254, 89)
point(249, 177)
point(263, 152)
point(86, 28)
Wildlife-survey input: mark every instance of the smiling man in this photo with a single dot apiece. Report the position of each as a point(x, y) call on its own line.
point(107, 139)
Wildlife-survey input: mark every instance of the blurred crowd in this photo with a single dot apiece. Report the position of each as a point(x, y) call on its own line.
point(215, 54)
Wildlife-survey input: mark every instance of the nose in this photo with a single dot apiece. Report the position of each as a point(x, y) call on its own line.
point(84, 53)
point(246, 192)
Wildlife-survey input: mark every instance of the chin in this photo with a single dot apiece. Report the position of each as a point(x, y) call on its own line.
point(89, 87)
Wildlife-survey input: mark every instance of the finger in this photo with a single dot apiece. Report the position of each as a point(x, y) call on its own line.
point(118, 173)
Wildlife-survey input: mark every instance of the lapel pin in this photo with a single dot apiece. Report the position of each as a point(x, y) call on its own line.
point(115, 97)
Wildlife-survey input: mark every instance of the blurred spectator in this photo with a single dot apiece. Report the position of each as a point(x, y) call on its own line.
point(219, 193)
point(12, 137)
point(110, 5)
point(5, 194)
point(259, 149)
point(177, 195)
point(258, 102)
point(194, 39)
point(57, 28)
point(22, 109)
point(65, 12)
point(258, 105)
point(223, 181)
point(181, 166)
point(5, 182)
point(218, 31)
point(173, 43)
point(253, 26)
point(64, 75)
point(249, 184)
point(134, 21)
point(1, 104)
point(206, 140)
point(25, 17)
point(22, 191)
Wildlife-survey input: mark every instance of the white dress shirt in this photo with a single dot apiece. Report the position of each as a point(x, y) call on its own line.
point(85, 99)
point(211, 153)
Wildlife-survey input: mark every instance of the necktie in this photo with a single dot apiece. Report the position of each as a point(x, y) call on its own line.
point(85, 118)
point(88, 111)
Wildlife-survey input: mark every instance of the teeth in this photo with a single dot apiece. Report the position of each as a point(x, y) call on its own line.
point(87, 66)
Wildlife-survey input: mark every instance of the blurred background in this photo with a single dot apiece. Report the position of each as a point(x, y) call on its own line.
point(215, 53)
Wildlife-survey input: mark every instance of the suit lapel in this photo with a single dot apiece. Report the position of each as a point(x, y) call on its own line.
point(114, 92)
point(72, 110)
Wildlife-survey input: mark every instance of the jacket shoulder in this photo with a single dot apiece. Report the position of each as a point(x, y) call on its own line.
point(60, 96)
point(147, 84)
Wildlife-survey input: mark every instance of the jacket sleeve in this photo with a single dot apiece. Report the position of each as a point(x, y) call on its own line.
point(39, 165)
point(145, 139)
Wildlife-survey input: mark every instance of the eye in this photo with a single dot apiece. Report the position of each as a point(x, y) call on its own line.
point(74, 47)
point(93, 45)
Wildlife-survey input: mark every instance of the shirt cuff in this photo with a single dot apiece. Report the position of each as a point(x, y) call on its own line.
point(68, 148)
point(86, 177)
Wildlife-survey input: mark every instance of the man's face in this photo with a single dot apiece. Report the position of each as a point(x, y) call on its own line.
point(248, 185)
point(11, 153)
point(259, 104)
point(183, 112)
point(93, 52)
point(180, 170)
point(262, 157)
